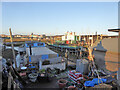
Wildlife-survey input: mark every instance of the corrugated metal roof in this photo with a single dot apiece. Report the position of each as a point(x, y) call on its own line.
point(63, 46)
point(40, 51)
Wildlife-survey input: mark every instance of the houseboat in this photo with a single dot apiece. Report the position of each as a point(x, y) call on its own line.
point(39, 56)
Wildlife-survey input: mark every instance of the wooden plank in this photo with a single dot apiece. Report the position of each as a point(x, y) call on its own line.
point(13, 48)
point(9, 80)
point(14, 85)
point(19, 77)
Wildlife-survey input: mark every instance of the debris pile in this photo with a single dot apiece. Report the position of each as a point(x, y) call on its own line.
point(85, 75)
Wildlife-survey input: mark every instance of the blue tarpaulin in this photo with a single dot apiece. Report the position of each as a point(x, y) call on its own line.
point(29, 58)
point(31, 66)
point(89, 84)
point(57, 55)
point(34, 44)
point(44, 57)
point(94, 82)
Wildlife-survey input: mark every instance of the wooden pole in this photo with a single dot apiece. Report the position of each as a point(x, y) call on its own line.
point(97, 37)
point(11, 38)
point(90, 50)
point(9, 80)
point(93, 63)
point(101, 36)
point(87, 39)
point(92, 39)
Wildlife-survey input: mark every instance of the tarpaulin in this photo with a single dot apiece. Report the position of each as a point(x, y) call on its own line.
point(94, 82)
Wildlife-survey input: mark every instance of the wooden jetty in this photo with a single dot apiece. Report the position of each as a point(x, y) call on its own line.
point(63, 48)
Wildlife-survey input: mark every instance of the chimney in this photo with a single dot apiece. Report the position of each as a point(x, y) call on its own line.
point(30, 50)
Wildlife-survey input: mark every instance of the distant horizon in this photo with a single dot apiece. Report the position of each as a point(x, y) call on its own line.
point(56, 18)
point(110, 33)
point(64, 34)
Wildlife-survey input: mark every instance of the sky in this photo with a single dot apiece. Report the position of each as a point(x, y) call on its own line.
point(53, 18)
